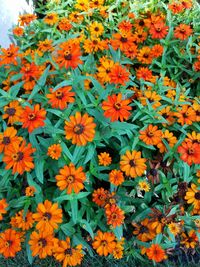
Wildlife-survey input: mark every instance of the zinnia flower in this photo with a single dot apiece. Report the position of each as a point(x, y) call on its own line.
point(81, 129)
point(12, 112)
point(9, 55)
point(151, 135)
point(33, 118)
point(156, 253)
point(182, 31)
point(132, 164)
point(116, 177)
point(193, 196)
point(3, 206)
point(190, 152)
point(116, 108)
point(119, 75)
point(71, 179)
point(114, 215)
point(18, 158)
point(54, 151)
point(104, 159)
point(8, 137)
point(48, 216)
point(10, 243)
point(104, 243)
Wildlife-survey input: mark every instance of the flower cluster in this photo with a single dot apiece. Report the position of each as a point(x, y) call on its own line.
point(99, 133)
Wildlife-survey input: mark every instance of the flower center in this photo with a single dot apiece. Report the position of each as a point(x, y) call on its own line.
point(31, 116)
point(158, 29)
point(114, 216)
point(68, 251)
point(123, 39)
point(153, 172)
point(18, 156)
point(8, 243)
point(95, 42)
point(143, 229)
point(59, 95)
point(42, 242)
point(68, 55)
point(132, 163)
point(47, 216)
point(6, 140)
point(9, 54)
point(104, 243)
point(197, 195)
point(10, 111)
point(150, 134)
point(117, 106)
point(96, 29)
point(190, 151)
point(70, 179)
point(78, 129)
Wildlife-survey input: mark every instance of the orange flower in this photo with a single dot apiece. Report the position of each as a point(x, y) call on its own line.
point(152, 97)
point(115, 216)
point(29, 191)
point(42, 244)
point(100, 196)
point(182, 31)
point(33, 118)
point(190, 152)
point(71, 178)
point(158, 30)
point(122, 41)
point(9, 55)
point(18, 157)
point(118, 251)
point(144, 73)
point(151, 135)
point(26, 19)
point(69, 55)
point(81, 129)
point(170, 138)
point(116, 177)
point(23, 222)
point(104, 159)
point(18, 31)
point(10, 243)
point(68, 255)
point(61, 97)
point(8, 137)
point(132, 164)
point(157, 50)
point(156, 253)
point(3, 206)
point(64, 24)
point(119, 75)
point(54, 151)
point(51, 18)
point(48, 216)
point(143, 230)
point(45, 46)
point(116, 108)
point(13, 112)
point(189, 240)
point(144, 55)
point(104, 69)
point(104, 243)
point(186, 115)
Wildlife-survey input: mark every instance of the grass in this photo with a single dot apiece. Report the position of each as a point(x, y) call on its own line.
point(21, 261)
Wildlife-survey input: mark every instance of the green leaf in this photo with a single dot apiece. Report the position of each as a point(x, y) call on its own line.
point(28, 251)
point(86, 225)
point(118, 231)
point(74, 209)
point(68, 228)
point(39, 166)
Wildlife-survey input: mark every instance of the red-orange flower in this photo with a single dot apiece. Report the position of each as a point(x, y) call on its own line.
point(69, 55)
point(115, 216)
point(186, 115)
point(61, 97)
point(18, 158)
point(119, 75)
point(116, 108)
point(156, 253)
point(104, 243)
point(10, 243)
point(151, 135)
point(182, 31)
point(116, 177)
point(33, 118)
point(71, 179)
point(100, 196)
point(132, 164)
point(190, 152)
point(158, 30)
point(3, 206)
point(54, 151)
point(9, 55)
point(48, 216)
point(81, 129)
point(8, 137)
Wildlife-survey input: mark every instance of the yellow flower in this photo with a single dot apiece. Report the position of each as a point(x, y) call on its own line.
point(193, 196)
point(174, 228)
point(144, 185)
point(96, 29)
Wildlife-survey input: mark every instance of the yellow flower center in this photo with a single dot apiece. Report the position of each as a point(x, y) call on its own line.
point(117, 106)
point(70, 179)
point(18, 156)
point(31, 116)
point(42, 242)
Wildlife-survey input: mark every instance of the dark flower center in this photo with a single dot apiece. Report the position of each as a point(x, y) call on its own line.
point(78, 129)
point(47, 216)
point(70, 179)
point(150, 134)
point(31, 116)
point(96, 29)
point(141, 23)
point(190, 151)
point(123, 39)
point(42, 242)
point(59, 95)
point(68, 251)
point(117, 106)
point(10, 111)
point(153, 172)
point(114, 216)
point(197, 195)
point(95, 42)
point(6, 140)
point(132, 163)
point(68, 57)
point(143, 229)
point(18, 156)
point(104, 243)
point(8, 243)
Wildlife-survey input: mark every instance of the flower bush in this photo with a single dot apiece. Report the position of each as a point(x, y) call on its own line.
point(100, 135)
